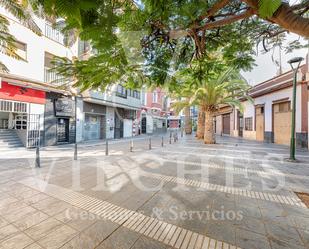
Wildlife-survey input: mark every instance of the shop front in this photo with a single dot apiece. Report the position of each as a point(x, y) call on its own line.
point(22, 110)
point(94, 122)
point(59, 119)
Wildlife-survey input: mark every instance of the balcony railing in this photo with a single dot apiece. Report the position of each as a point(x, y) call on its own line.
point(53, 34)
point(52, 77)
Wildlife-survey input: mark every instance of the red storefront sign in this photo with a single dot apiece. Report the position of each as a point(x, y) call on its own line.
point(22, 94)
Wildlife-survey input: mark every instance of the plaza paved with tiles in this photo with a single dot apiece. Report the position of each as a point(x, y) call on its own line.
point(235, 194)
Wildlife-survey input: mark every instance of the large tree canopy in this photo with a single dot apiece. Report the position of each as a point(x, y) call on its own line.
point(154, 38)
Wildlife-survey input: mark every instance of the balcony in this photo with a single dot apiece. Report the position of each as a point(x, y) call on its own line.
point(53, 34)
point(52, 77)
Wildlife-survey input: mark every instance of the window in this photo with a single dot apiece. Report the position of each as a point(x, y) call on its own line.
point(144, 98)
point(130, 92)
point(48, 60)
point(121, 91)
point(83, 47)
point(136, 94)
point(248, 124)
point(154, 97)
point(284, 107)
point(21, 49)
point(51, 76)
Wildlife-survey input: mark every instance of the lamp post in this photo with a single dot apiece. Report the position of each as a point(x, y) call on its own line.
point(295, 63)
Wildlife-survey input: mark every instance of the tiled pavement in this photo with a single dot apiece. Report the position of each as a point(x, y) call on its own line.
point(236, 194)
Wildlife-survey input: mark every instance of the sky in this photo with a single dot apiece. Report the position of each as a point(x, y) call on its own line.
point(267, 69)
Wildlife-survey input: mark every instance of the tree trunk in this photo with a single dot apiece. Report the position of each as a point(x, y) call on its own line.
point(286, 18)
point(188, 124)
point(200, 123)
point(209, 134)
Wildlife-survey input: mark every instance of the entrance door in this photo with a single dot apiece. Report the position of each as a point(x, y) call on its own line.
point(63, 130)
point(259, 122)
point(92, 127)
point(240, 125)
point(226, 124)
point(118, 127)
point(282, 122)
point(144, 125)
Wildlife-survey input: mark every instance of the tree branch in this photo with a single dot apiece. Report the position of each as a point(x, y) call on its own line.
point(225, 21)
point(214, 9)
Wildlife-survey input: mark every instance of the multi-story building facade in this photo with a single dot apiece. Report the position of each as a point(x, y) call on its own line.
point(152, 118)
point(35, 110)
point(31, 105)
point(107, 115)
point(269, 117)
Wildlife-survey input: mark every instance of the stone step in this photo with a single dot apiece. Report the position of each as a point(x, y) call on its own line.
point(15, 143)
point(9, 139)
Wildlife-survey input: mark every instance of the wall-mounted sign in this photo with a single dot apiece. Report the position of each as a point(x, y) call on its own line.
point(64, 107)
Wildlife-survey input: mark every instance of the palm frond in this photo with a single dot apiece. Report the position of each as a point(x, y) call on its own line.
point(22, 12)
point(3, 68)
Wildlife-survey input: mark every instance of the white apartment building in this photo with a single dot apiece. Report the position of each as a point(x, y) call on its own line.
point(30, 103)
point(47, 112)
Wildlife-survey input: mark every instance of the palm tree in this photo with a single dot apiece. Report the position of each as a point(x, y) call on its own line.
point(23, 11)
point(227, 89)
point(200, 123)
point(188, 123)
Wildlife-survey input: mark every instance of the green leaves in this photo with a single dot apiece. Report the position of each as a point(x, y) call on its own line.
point(268, 7)
point(210, 83)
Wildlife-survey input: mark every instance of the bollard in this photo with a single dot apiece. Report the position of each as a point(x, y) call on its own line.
point(131, 146)
point(182, 132)
point(150, 143)
point(75, 151)
point(170, 137)
point(37, 158)
point(162, 142)
point(106, 147)
point(174, 138)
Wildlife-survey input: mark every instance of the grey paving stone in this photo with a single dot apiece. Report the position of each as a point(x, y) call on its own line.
point(18, 241)
point(251, 224)
point(3, 222)
point(20, 213)
point(250, 240)
point(58, 237)
point(100, 230)
point(122, 238)
point(304, 234)
point(144, 242)
point(34, 246)
point(8, 231)
point(284, 233)
point(30, 219)
point(43, 229)
point(277, 244)
point(81, 241)
point(222, 230)
point(51, 206)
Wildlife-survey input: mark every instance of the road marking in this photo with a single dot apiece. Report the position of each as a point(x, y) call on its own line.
point(287, 200)
point(238, 169)
point(188, 153)
point(180, 237)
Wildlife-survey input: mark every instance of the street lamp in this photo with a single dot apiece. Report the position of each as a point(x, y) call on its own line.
point(295, 63)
